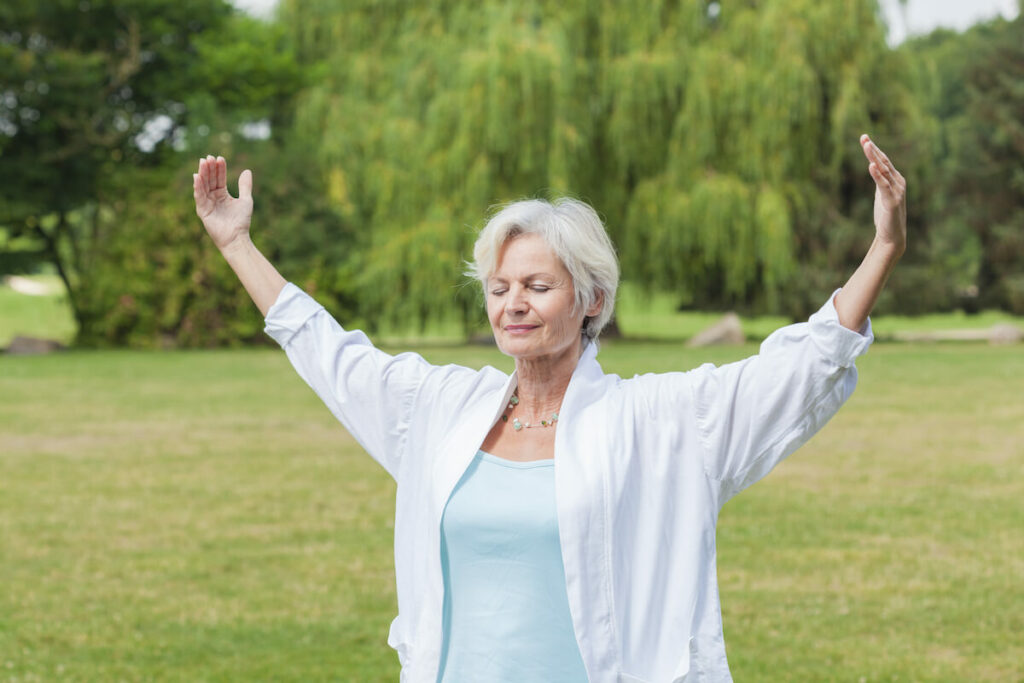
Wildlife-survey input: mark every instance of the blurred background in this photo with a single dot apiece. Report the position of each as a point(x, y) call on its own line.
point(174, 515)
point(717, 139)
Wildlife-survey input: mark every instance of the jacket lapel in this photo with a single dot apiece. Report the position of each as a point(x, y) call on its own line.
point(581, 491)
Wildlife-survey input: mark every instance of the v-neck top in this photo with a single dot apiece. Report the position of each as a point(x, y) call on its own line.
point(506, 609)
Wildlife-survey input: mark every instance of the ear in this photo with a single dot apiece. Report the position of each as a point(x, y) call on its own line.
point(597, 306)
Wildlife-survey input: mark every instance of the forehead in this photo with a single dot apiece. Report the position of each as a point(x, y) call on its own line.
point(528, 254)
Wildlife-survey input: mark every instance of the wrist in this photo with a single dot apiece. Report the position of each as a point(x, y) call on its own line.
point(889, 249)
point(237, 247)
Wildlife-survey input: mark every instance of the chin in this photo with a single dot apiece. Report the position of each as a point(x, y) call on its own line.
point(518, 348)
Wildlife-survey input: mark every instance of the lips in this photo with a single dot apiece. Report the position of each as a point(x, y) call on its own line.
point(519, 328)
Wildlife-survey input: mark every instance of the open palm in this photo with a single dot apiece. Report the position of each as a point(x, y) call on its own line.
point(890, 195)
point(225, 218)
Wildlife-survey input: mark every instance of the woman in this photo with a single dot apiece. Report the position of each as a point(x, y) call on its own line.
point(559, 524)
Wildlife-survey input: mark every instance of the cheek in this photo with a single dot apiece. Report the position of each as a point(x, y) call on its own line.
point(493, 312)
point(563, 317)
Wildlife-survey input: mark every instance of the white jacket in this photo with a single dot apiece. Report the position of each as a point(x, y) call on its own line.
point(642, 468)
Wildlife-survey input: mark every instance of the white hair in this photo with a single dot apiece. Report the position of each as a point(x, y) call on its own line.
point(575, 233)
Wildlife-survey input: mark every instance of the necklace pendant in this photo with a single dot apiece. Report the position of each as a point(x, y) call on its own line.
point(516, 424)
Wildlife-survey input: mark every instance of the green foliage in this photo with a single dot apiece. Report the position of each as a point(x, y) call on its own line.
point(81, 80)
point(156, 280)
point(720, 148)
point(971, 84)
point(95, 96)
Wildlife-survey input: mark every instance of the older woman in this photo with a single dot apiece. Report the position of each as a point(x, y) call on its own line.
point(558, 524)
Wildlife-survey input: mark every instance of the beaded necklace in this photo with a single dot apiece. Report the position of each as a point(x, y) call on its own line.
point(517, 425)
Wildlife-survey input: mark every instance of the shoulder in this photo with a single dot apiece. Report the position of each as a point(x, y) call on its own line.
point(648, 396)
point(454, 384)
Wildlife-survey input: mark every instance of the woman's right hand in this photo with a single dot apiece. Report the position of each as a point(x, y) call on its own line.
point(225, 218)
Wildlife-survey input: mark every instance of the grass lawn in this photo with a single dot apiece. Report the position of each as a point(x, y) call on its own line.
point(199, 516)
point(36, 316)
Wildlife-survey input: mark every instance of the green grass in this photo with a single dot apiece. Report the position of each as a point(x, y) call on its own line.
point(199, 516)
point(655, 316)
point(35, 316)
point(889, 325)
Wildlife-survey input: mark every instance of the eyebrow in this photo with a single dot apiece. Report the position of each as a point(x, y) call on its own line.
point(531, 276)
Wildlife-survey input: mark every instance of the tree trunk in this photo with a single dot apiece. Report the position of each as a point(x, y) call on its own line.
point(52, 241)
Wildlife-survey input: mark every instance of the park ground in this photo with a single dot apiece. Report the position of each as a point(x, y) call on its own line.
point(200, 516)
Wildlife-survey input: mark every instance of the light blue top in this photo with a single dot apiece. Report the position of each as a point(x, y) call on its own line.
point(507, 620)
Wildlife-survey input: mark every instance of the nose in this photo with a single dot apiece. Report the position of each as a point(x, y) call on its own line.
point(516, 302)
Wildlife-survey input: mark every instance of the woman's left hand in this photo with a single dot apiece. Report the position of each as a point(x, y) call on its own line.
point(858, 297)
point(890, 197)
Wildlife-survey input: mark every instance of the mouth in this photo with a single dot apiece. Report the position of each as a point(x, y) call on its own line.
point(519, 329)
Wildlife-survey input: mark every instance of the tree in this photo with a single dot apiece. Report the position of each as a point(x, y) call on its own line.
point(90, 89)
point(970, 83)
point(718, 140)
point(157, 281)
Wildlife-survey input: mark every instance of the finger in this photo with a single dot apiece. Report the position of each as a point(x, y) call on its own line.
point(204, 175)
point(873, 152)
point(880, 178)
point(211, 169)
point(245, 185)
point(222, 172)
point(202, 198)
point(883, 159)
point(883, 168)
point(877, 156)
point(891, 174)
point(866, 147)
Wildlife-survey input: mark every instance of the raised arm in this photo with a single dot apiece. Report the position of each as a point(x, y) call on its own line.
point(858, 297)
point(227, 219)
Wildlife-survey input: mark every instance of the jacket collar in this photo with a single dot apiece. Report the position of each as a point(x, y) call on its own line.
point(587, 371)
point(460, 448)
point(585, 379)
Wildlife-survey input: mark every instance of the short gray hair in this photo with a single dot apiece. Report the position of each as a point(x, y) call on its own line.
point(575, 233)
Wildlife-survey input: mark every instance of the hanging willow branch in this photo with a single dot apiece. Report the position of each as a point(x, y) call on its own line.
point(715, 146)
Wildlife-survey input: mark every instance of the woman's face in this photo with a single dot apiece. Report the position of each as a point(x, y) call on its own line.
point(530, 301)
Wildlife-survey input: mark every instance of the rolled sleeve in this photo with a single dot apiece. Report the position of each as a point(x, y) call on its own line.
point(289, 313)
point(754, 413)
point(834, 341)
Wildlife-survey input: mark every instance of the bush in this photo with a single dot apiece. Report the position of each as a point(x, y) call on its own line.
point(157, 280)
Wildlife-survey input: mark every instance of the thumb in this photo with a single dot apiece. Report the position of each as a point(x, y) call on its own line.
point(245, 185)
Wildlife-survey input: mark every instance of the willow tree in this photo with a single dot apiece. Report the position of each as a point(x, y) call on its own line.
point(718, 141)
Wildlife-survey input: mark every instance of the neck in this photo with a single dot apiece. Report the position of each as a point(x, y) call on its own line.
point(542, 381)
